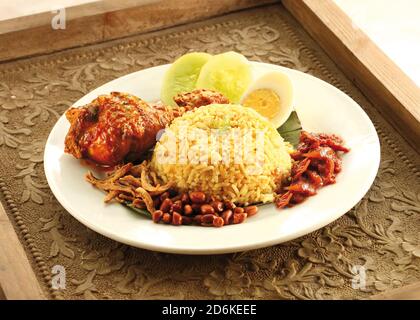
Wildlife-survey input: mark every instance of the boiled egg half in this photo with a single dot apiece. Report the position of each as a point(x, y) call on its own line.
point(271, 95)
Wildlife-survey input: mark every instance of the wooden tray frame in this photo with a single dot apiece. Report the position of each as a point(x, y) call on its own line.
point(362, 61)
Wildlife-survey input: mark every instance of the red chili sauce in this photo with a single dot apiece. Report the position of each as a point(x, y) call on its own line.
point(316, 163)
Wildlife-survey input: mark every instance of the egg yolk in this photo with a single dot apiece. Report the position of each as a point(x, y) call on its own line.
point(265, 101)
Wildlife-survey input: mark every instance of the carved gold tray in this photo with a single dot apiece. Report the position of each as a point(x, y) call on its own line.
point(373, 248)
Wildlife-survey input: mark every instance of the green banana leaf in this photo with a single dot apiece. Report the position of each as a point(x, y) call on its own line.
point(290, 130)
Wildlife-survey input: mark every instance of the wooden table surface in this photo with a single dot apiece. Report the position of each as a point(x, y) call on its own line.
point(17, 279)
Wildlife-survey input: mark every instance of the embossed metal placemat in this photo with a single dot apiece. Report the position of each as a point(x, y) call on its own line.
point(374, 247)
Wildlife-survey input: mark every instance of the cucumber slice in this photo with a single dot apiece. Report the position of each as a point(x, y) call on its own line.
point(182, 75)
point(228, 73)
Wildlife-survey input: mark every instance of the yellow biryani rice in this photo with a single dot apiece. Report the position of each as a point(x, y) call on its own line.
point(228, 151)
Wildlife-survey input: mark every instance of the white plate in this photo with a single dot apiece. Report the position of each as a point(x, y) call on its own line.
point(321, 107)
